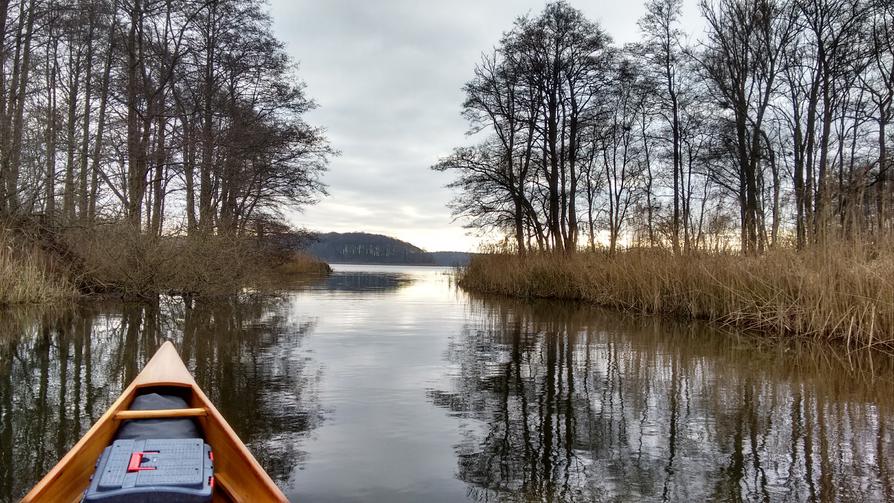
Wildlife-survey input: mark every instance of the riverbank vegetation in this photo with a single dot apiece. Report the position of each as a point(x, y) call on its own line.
point(770, 129)
point(301, 263)
point(838, 295)
point(28, 276)
point(115, 260)
point(739, 174)
point(149, 146)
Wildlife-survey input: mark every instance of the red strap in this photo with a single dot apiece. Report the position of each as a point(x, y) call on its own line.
point(135, 460)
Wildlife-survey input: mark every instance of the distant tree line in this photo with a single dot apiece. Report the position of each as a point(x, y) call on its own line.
point(365, 248)
point(771, 128)
point(360, 247)
point(162, 113)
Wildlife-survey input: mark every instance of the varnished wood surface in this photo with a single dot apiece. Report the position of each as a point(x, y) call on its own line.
point(238, 475)
point(160, 413)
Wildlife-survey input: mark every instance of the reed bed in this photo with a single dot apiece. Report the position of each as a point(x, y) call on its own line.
point(27, 276)
point(301, 263)
point(837, 294)
point(117, 260)
point(46, 265)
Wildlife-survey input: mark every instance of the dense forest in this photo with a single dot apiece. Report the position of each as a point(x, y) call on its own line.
point(365, 248)
point(769, 129)
point(360, 247)
point(172, 115)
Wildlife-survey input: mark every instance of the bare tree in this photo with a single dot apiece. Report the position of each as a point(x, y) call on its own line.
point(111, 107)
point(746, 42)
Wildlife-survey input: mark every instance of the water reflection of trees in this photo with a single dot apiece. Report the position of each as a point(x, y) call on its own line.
point(582, 405)
point(363, 281)
point(59, 371)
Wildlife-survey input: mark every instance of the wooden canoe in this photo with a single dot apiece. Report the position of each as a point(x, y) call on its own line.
point(238, 476)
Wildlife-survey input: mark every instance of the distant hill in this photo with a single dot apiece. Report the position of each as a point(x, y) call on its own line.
point(364, 248)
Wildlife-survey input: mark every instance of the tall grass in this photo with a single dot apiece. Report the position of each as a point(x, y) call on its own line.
point(28, 276)
point(301, 263)
point(41, 264)
point(116, 259)
point(831, 294)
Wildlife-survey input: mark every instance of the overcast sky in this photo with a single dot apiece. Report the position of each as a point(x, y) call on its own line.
point(387, 75)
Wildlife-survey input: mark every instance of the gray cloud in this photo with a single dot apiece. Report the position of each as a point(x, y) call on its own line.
point(388, 76)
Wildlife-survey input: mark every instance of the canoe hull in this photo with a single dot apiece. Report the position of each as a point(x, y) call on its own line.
point(238, 476)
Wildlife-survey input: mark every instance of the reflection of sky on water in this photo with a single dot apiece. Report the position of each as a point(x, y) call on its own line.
point(384, 441)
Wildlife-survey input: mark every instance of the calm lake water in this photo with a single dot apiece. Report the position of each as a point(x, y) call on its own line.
point(389, 384)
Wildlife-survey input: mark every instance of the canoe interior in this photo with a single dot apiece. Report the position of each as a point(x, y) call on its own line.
point(238, 476)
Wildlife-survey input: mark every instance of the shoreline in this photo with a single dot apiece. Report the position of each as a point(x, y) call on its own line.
point(828, 295)
point(118, 263)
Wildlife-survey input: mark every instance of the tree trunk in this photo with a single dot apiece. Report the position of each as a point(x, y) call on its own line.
point(50, 177)
point(800, 193)
point(189, 167)
point(822, 200)
point(158, 181)
point(677, 159)
point(135, 154)
point(83, 194)
point(68, 195)
point(101, 118)
point(205, 169)
point(881, 193)
point(13, 157)
point(4, 123)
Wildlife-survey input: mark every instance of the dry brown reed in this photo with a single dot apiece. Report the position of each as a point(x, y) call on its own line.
point(833, 293)
point(40, 264)
point(28, 276)
point(301, 263)
point(116, 259)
